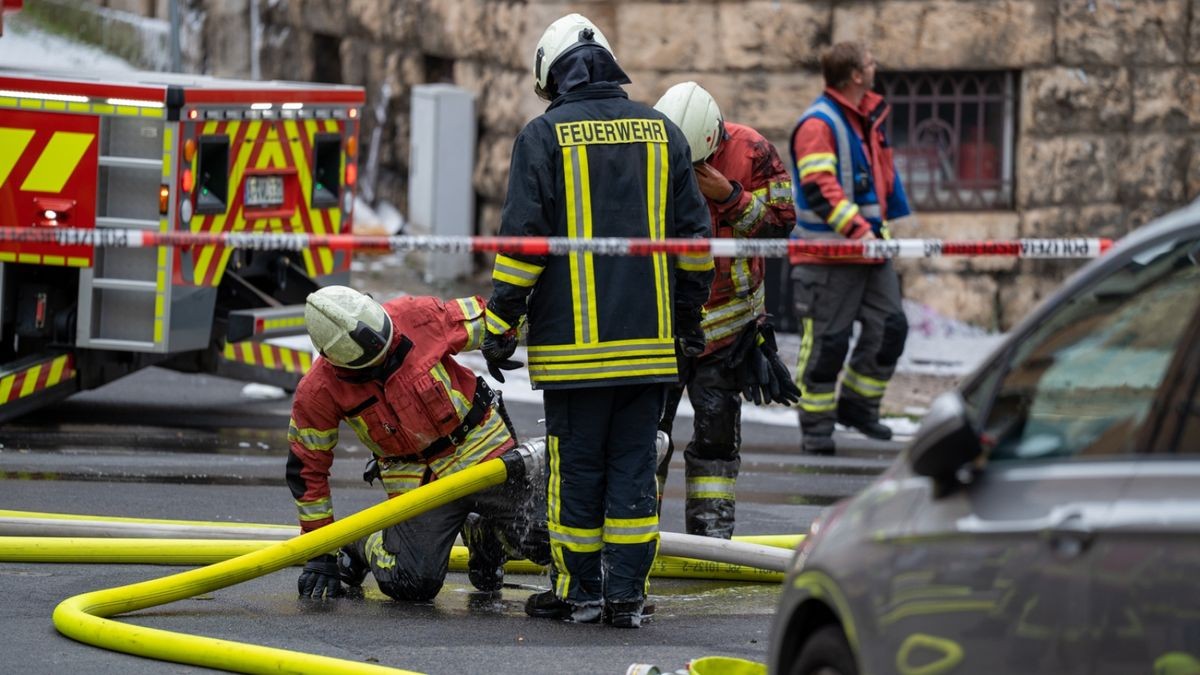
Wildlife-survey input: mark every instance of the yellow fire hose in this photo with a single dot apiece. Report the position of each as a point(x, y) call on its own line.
point(139, 540)
point(39, 524)
point(183, 542)
point(109, 551)
point(82, 617)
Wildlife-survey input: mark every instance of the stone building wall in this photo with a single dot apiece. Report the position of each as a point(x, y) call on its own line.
point(1108, 94)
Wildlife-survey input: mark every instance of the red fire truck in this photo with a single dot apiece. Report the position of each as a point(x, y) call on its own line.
point(164, 152)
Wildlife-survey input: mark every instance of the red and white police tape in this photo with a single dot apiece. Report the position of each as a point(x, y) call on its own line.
point(1078, 247)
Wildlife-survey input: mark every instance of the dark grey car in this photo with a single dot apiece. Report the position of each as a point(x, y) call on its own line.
point(1046, 517)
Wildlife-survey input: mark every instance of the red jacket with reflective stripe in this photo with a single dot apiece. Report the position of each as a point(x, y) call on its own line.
point(816, 137)
point(763, 208)
point(422, 400)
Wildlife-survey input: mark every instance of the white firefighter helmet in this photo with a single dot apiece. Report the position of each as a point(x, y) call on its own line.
point(563, 37)
point(348, 328)
point(694, 111)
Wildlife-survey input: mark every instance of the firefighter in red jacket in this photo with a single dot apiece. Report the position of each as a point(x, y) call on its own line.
point(847, 188)
point(749, 195)
point(388, 372)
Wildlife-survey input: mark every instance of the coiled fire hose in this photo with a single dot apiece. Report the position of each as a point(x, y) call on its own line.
point(71, 538)
point(85, 617)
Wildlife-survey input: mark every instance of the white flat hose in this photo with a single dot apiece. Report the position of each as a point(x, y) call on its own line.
point(65, 525)
point(764, 552)
point(724, 551)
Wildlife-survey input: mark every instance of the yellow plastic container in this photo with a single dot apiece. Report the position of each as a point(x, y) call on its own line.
point(725, 665)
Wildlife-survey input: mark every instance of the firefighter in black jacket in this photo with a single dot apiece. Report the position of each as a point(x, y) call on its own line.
point(602, 330)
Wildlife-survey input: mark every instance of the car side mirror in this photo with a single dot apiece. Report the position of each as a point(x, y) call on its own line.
point(946, 441)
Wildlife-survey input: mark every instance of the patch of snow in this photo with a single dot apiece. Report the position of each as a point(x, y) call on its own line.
point(262, 392)
point(939, 345)
point(24, 45)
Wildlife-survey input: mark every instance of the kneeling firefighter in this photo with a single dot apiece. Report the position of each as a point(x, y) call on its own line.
point(388, 372)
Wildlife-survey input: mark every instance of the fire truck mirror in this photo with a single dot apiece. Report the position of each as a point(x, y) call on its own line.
point(212, 175)
point(327, 170)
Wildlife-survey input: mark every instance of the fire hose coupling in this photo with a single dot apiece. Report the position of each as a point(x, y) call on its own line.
point(662, 443)
point(529, 458)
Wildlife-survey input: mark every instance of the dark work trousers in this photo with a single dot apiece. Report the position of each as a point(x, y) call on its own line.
point(601, 495)
point(828, 299)
point(712, 457)
point(409, 559)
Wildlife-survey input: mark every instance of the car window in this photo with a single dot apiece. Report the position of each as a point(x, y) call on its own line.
point(1081, 383)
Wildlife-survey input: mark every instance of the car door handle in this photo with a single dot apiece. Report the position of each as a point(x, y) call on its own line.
point(1071, 536)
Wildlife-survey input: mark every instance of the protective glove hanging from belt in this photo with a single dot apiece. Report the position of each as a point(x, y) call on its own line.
point(763, 378)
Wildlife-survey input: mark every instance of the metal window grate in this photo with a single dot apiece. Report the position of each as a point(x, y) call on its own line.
point(953, 135)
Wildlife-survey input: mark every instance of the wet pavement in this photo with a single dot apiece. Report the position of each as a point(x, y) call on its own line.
point(165, 445)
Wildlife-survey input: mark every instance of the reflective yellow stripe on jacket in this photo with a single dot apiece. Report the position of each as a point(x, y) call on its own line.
point(728, 318)
point(516, 272)
point(320, 440)
point(617, 358)
point(473, 322)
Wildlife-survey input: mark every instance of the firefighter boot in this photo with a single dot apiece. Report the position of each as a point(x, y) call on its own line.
point(630, 614)
point(864, 420)
point(352, 564)
point(711, 502)
point(485, 556)
point(818, 445)
point(816, 434)
point(547, 605)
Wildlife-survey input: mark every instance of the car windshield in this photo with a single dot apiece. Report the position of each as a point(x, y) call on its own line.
point(1082, 382)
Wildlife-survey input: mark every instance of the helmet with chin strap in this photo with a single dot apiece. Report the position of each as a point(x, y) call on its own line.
point(561, 38)
point(694, 111)
point(348, 328)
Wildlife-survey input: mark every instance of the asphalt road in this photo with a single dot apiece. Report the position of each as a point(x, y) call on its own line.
point(164, 445)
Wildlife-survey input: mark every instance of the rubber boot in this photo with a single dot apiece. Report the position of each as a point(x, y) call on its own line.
point(623, 614)
point(547, 605)
point(816, 434)
point(485, 555)
point(812, 444)
point(711, 503)
point(865, 420)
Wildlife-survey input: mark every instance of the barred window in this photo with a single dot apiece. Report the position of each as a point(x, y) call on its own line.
point(953, 134)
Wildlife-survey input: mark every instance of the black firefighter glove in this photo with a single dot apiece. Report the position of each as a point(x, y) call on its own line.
point(498, 347)
point(689, 341)
point(746, 362)
point(763, 378)
point(320, 578)
point(782, 387)
point(689, 335)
